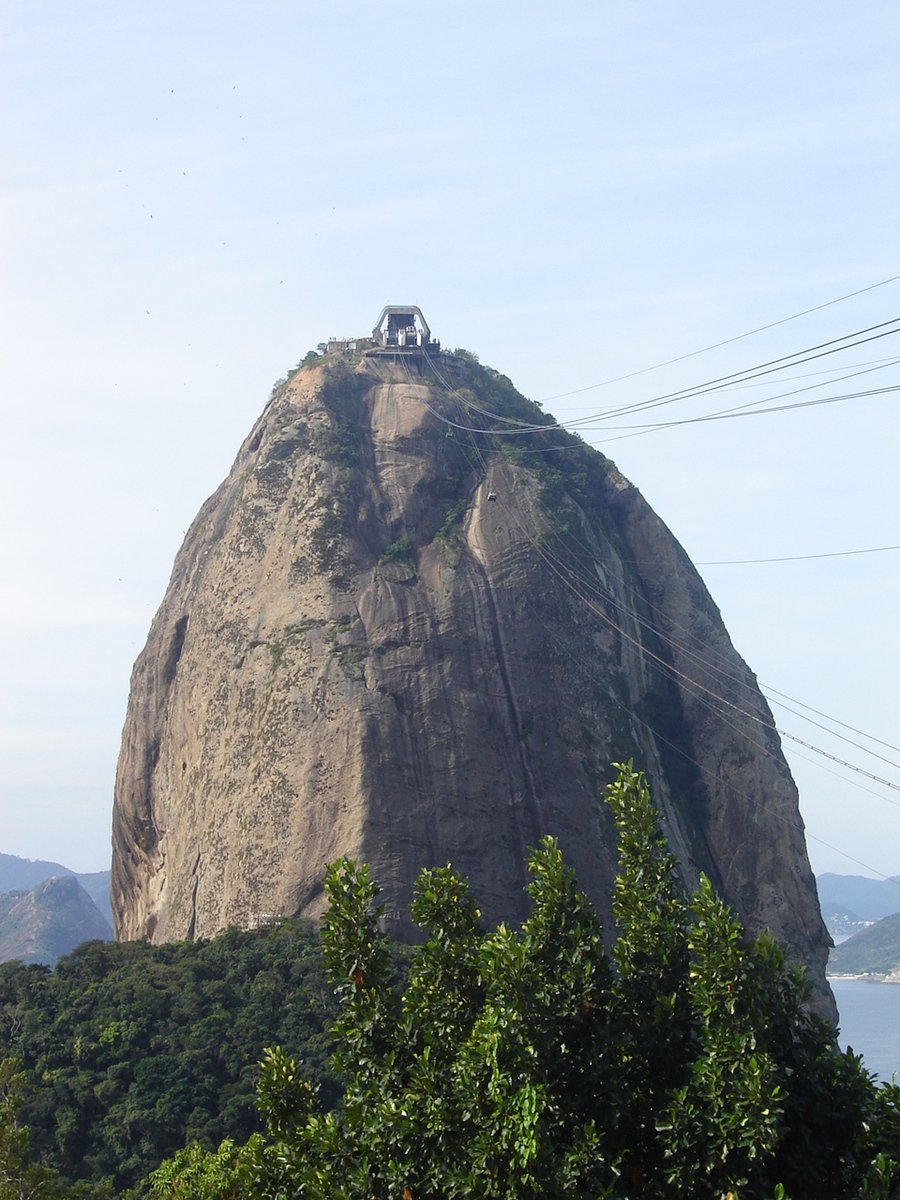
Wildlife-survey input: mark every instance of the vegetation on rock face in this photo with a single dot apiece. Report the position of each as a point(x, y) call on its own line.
point(568, 469)
point(399, 551)
point(531, 1064)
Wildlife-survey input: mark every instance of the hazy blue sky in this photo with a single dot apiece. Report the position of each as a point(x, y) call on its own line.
point(194, 194)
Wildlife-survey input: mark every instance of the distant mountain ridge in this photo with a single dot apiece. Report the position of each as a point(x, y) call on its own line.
point(47, 909)
point(49, 921)
point(858, 896)
point(24, 874)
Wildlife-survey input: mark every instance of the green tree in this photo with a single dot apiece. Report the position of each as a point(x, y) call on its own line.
point(194, 1172)
point(19, 1178)
point(522, 1065)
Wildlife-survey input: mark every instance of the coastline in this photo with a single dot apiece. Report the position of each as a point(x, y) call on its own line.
point(868, 977)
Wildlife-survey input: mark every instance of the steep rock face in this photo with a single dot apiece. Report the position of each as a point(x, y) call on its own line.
point(360, 652)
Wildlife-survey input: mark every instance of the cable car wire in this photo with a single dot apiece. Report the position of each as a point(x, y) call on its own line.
point(725, 342)
point(739, 562)
point(693, 684)
point(731, 414)
point(794, 737)
point(712, 665)
point(772, 366)
point(704, 662)
point(798, 827)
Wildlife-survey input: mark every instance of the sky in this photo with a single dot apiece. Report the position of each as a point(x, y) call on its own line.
point(195, 194)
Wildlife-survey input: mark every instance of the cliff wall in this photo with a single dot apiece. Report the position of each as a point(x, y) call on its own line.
point(361, 653)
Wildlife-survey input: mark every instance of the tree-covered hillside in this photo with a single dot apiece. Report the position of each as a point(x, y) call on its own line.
point(129, 1050)
point(872, 951)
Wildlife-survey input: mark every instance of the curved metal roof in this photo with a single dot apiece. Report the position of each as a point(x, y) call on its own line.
point(390, 309)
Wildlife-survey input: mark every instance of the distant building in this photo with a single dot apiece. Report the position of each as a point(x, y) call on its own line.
point(350, 345)
point(266, 920)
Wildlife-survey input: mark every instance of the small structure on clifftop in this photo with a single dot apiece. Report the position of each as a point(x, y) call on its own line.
point(396, 328)
point(400, 330)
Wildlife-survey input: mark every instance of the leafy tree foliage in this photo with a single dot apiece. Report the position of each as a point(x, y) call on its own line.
point(216, 1175)
point(129, 1051)
point(532, 1064)
point(19, 1178)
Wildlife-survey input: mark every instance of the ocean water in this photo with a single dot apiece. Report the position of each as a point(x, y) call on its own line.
point(870, 1023)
